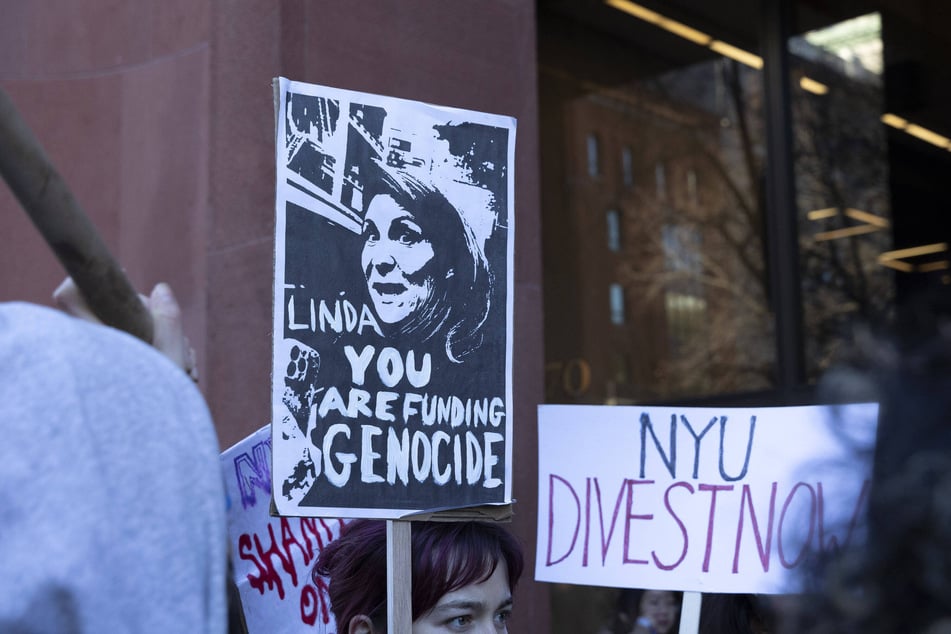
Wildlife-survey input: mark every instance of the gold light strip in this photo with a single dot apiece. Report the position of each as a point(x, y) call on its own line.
point(895, 259)
point(636, 10)
point(870, 223)
point(845, 232)
point(677, 28)
point(920, 132)
point(940, 265)
point(925, 249)
point(894, 121)
point(743, 57)
point(927, 135)
point(819, 214)
point(864, 216)
point(898, 265)
point(811, 85)
point(684, 31)
point(687, 32)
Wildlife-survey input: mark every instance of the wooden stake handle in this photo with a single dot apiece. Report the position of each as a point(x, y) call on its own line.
point(690, 613)
point(399, 576)
point(54, 210)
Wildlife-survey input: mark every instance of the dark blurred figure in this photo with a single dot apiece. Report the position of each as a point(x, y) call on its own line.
point(737, 614)
point(898, 578)
point(895, 576)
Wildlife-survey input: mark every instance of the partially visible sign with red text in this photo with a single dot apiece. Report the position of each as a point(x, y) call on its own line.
point(273, 556)
point(698, 499)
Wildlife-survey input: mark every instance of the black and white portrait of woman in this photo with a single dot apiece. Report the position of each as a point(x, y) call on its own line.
point(426, 274)
point(392, 303)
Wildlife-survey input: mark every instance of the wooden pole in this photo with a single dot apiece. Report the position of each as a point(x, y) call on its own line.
point(690, 613)
point(54, 210)
point(399, 576)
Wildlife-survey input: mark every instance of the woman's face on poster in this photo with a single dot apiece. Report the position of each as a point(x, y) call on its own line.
point(396, 260)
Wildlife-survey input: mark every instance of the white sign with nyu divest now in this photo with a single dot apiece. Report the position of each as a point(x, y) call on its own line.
point(698, 499)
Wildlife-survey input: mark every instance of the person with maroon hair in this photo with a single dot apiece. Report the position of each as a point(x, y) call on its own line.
point(463, 577)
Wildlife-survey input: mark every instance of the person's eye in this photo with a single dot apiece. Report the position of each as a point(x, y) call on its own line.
point(407, 234)
point(370, 234)
point(501, 618)
point(408, 238)
point(459, 623)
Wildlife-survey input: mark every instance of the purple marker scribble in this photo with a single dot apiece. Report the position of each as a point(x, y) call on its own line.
point(253, 471)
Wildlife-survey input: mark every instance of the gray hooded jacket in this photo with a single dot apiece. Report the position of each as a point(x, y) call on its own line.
point(112, 511)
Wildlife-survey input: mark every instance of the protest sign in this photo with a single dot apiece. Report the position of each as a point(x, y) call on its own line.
point(392, 305)
point(273, 556)
point(697, 499)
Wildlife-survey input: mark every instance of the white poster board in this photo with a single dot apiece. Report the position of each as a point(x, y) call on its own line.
point(394, 244)
point(697, 499)
point(273, 556)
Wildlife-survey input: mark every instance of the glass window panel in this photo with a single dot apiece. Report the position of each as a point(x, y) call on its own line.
point(627, 166)
point(614, 230)
point(692, 198)
point(594, 167)
point(660, 180)
point(854, 161)
point(616, 296)
point(684, 125)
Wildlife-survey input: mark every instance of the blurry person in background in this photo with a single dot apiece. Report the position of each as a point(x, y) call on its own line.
point(898, 577)
point(645, 612)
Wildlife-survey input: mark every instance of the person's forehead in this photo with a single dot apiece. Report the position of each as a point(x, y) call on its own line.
point(494, 590)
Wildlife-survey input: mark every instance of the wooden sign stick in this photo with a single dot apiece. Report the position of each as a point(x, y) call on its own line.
point(399, 576)
point(690, 613)
point(54, 210)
